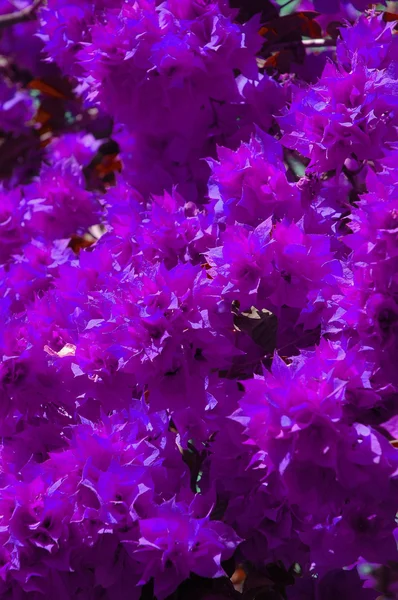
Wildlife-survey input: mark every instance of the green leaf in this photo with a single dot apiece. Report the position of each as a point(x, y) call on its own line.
point(287, 7)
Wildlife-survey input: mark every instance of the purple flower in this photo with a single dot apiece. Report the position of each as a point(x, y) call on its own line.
point(197, 354)
point(345, 115)
point(17, 109)
point(244, 259)
point(249, 185)
point(302, 262)
point(287, 400)
point(354, 45)
point(175, 542)
point(57, 204)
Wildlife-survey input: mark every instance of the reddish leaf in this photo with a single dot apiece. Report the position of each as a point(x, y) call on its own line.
point(298, 24)
point(280, 60)
point(45, 88)
point(389, 17)
point(110, 164)
point(42, 117)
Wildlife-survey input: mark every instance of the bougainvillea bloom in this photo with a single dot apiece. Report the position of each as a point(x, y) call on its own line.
point(199, 300)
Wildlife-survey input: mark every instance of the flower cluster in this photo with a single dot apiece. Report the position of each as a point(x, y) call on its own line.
point(199, 296)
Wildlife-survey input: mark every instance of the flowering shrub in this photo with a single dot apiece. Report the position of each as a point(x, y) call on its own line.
point(199, 295)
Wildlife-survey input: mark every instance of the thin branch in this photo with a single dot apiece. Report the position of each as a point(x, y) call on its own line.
point(319, 43)
point(20, 16)
point(316, 43)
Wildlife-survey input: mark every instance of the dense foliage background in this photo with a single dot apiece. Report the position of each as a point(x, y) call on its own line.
point(199, 296)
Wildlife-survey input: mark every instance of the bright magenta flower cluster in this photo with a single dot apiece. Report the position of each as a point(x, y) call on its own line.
point(199, 295)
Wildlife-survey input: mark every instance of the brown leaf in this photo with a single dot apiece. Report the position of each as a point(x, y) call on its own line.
point(333, 29)
point(78, 243)
point(238, 578)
